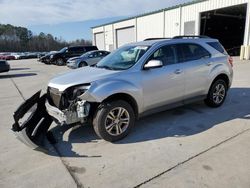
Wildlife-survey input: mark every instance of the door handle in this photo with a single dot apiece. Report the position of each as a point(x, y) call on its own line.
point(178, 71)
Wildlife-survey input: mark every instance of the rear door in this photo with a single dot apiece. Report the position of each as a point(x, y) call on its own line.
point(165, 85)
point(196, 66)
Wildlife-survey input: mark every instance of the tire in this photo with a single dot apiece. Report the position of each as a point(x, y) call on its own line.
point(60, 62)
point(217, 94)
point(82, 64)
point(108, 125)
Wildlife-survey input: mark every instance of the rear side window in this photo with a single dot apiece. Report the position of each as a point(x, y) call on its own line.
point(191, 52)
point(217, 46)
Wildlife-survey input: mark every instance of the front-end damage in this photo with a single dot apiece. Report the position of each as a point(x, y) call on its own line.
point(34, 117)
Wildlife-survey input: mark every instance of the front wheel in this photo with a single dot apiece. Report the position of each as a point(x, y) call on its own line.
point(82, 64)
point(217, 94)
point(60, 62)
point(114, 120)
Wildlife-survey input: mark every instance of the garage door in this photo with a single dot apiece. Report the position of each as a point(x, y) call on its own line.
point(99, 41)
point(125, 35)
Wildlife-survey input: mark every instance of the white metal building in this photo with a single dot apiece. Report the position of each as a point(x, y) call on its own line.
point(227, 20)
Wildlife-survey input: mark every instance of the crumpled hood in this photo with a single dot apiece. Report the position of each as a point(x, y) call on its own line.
point(83, 75)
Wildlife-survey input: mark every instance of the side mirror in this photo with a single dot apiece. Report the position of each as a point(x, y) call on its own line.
point(153, 64)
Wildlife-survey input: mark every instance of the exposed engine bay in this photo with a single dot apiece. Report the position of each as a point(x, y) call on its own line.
point(61, 107)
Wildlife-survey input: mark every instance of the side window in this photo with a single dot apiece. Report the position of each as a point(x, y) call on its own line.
point(91, 55)
point(96, 54)
point(74, 49)
point(218, 47)
point(81, 49)
point(100, 54)
point(166, 54)
point(191, 52)
point(70, 50)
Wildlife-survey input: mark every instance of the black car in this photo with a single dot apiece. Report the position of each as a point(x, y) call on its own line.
point(61, 57)
point(46, 58)
point(4, 66)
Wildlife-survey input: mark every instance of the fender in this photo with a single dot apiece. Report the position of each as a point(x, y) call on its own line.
point(98, 92)
point(216, 71)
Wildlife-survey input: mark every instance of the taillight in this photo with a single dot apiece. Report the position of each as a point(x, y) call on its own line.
point(230, 61)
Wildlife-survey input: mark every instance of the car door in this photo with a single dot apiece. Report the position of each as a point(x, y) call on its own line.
point(165, 85)
point(92, 58)
point(195, 59)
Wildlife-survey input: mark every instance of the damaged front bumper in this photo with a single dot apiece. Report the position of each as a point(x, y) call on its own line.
point(33, 130)
point(38, 116)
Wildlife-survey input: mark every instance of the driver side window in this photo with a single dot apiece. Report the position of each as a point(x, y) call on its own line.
point(166, 54)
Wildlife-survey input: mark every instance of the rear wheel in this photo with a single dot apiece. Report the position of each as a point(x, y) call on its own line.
point(114, 120)
point(217, 94)
point(60, 62)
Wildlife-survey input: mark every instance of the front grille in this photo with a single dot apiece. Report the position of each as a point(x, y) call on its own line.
point(54, 96)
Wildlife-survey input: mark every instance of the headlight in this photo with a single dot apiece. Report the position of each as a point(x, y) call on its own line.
point(78, 91)
point(51, 56)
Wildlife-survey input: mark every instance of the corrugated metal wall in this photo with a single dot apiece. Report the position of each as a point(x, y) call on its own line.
point(166, 23)
point(150, 26)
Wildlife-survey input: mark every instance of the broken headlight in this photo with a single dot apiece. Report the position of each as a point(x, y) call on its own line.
point(78, 91)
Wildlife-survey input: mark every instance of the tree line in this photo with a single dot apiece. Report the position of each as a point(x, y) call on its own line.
point(20, 39)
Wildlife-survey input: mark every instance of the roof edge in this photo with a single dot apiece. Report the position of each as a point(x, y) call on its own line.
point(150, 13)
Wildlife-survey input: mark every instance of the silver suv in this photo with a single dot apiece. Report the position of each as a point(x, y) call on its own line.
point(135, 80)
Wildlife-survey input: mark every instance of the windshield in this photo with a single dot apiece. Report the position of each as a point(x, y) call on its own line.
point(123, 58)
point(63, 50)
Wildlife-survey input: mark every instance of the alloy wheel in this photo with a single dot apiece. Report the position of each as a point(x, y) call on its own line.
point(117, 121)
point(219, 93)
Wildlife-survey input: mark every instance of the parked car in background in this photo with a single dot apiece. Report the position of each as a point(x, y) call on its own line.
point(32, 55)
point(46, 58)
point(7, 56)
point(4, 66)
point(23, 55)
point(16, 55)
point(41, 54)
point(61, 57)
point(87, 59)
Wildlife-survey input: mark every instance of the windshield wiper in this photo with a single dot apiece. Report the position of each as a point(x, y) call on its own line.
point(105, 67)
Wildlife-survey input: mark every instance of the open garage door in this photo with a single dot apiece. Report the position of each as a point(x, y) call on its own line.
point(99, 41)
point(227, 25)
point(125, 36)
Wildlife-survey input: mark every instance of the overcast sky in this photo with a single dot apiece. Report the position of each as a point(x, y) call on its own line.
point(50, 14)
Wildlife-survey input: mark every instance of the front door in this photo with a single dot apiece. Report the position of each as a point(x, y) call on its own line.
point(165, 85)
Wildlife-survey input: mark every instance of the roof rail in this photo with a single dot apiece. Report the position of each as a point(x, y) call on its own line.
point(156, 39)
point(191, 36)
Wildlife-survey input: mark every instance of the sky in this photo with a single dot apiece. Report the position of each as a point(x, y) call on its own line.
point(72, 19)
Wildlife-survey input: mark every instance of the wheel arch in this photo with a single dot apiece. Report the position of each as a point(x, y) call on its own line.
point(222, 76)
point(82, 62)
point(127, 98)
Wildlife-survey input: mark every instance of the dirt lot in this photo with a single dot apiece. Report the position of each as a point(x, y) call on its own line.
point(191, 146)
